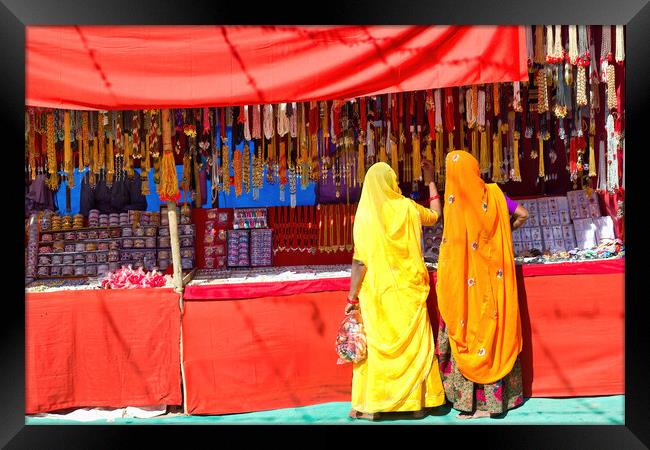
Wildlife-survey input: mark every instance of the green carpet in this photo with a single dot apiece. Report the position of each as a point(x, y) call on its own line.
point(543, 411)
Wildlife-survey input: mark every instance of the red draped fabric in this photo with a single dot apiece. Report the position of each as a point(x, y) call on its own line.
point(111, 348)
point(127, 67)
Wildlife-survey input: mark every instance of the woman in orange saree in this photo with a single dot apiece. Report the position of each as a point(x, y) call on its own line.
point(479, 339)
point(390, 285)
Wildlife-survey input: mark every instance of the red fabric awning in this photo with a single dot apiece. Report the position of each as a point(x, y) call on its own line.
point(126, 67)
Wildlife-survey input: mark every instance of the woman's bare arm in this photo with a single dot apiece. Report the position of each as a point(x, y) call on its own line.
point(358, 273)
point(520, 217)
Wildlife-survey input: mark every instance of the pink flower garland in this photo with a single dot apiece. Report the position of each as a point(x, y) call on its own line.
point(128, 278)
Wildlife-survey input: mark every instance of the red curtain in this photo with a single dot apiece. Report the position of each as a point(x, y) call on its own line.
point(126, 67)
point(111, 348)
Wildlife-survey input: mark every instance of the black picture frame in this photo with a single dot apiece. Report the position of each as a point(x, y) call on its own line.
point(15, 15)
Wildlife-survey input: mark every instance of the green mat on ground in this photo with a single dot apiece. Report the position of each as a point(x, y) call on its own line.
point(608, 410)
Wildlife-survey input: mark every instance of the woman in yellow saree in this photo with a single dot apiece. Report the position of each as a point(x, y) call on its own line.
point(390, 283)
point(479, 339)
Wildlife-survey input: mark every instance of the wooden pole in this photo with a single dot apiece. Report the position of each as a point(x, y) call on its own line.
point(178, 283)
point(175, 244)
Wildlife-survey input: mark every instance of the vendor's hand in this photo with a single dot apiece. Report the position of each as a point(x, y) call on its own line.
point(427, 171)
point(350, 307)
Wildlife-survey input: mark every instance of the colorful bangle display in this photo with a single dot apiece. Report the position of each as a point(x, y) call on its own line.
point(435, 197)
point(353, 302)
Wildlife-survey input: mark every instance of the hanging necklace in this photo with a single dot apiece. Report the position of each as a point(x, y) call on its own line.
point(258, 173)
point(620, 45)
point(225, 165)
point(237, 167)
point(53, 180)
point(247, 168)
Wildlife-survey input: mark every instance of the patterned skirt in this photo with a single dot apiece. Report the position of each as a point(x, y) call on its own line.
point(467, 396)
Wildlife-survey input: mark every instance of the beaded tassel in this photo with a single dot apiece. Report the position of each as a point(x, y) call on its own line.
point(168, 189)
point(237, 170)
point(225, 167)
point(516, 176)
point(145, 165)
point(53, 181)
point(611, 87)
point(84, 140)
point(67, 149)
point(110, 162)
point(497, 155)
point(541, 170)
point(475, 153)
point(417, 156)
point(247, 168)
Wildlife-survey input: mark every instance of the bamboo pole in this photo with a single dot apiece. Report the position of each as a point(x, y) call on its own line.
point(178, 284)
point(175, 244)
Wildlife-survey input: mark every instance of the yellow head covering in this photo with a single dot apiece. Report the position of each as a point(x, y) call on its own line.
point(387, 227)
point(477, 288)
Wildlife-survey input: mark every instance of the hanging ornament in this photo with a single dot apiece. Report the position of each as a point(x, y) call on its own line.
point(246, 169)
point(542, 92)
point(237, 166)
point(283, 169)
point(168, 189)
point(611, 88)
point(605, 51)
point(620, 45)
point(258, 174)
point(145, 166)
point(560, 108)
point(53, 180)
point(110, 163)
point(67, 150)
point(292, 186)
point(540, 52)
point(613, 141)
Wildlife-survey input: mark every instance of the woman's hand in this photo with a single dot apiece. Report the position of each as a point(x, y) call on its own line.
point(350, 307)
point(427, 171)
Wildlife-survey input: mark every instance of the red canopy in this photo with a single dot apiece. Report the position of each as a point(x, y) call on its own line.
point(125, 67)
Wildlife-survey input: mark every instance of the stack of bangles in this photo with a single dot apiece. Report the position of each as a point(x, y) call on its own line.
point(353, 301)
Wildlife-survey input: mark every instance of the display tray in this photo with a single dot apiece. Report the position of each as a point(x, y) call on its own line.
point(56, 277)
point(108, 227)
point(89, 251)
point(79, 241)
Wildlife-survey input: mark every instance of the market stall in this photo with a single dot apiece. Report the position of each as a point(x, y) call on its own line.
point(247, 194)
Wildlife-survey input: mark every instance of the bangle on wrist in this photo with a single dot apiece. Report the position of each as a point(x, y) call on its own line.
point(434, 197)
point(353, 301)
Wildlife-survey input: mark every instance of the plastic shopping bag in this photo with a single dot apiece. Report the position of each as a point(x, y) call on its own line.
point(351, 339)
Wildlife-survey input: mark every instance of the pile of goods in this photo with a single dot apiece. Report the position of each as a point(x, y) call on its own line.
point(77, 252)
point(250, 243)
point(557, 226)
point(128, 278)
point(214, 239)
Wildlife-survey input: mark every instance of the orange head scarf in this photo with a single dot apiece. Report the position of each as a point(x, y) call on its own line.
point(477, 287)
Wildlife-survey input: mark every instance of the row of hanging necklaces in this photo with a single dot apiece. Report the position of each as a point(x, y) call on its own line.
point(336, 141)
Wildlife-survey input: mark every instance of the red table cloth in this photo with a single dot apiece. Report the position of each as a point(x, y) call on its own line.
point(254, 352)
point(111, 348)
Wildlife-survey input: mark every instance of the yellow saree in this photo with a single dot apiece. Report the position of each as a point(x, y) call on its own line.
point(401, 370)
point(477, 286)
